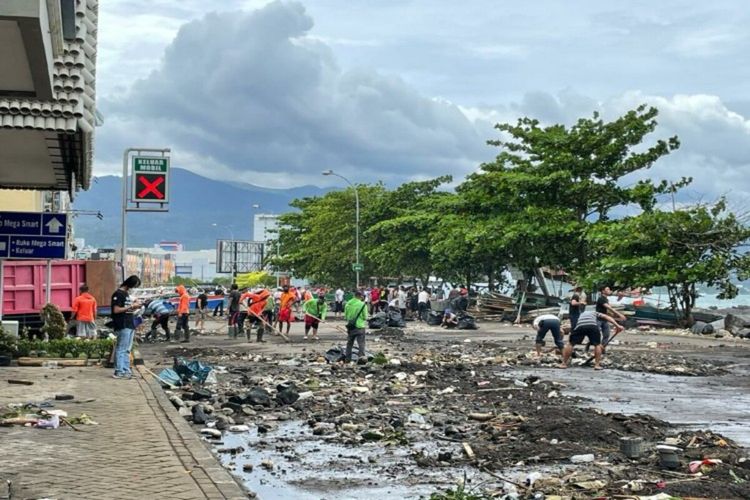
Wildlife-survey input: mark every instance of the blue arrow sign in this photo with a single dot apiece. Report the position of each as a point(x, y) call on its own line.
point(33, 235)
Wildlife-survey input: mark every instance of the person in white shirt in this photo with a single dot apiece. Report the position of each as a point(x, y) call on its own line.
point(548, 323)
point(339, 298)
point(423, 304)
point(402, 301)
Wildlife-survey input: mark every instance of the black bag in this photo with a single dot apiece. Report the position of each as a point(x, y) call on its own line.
point(395, 319)
point(351, 325)
point(378, 321)
point(435, 318)
point(466, 322)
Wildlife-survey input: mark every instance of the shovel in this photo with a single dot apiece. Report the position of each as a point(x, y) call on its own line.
point(337, 327)
point(270, 326)
point(591, 358)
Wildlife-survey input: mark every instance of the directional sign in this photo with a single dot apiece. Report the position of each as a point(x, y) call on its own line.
point(358, 267)
point(33, 235)
point(150, 179)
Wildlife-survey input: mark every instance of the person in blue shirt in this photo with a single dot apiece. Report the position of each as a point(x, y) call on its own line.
point(160, 310)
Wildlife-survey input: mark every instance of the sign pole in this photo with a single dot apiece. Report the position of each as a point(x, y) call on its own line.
point(123, 228)
point(48, 292)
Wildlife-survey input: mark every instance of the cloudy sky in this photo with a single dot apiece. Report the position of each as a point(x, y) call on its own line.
point(272, 93)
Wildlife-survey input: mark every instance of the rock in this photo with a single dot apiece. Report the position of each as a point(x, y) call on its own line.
point(421, 373)
point(201, 394)
point(349, 427)
point(247, 468)
point(177, 402)
point(394, 362)
point(184, 412)
point(701, 328)
point(287, 396)
point(305, 395)
point(481, 417)
point(400, 376)
point(227, 411)
point(214, 433)
point(519, 383)
point(248, 411)
point(445, 456)
point(257, 397)
point(582, 459)
point(222, 425)
point(267, 464)
point(264, 427)
point(323, 428)
point(199, 416)
point(416, 418)
point(744, 333)
point(736, 322)
point(239, 428)
point(236, 407)
point(372, 435)
point(360, 389)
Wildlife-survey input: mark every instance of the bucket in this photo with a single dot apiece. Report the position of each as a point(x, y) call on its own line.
point(668, 458)
point(632, 447)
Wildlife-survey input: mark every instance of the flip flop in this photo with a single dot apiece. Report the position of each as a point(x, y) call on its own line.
point(598, 368)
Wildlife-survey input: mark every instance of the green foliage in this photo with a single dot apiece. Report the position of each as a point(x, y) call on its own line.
point(549, 184)
point(54, 322)
point(380, 359)
point(8, 342)
point(255, 279)
point(221, 281)
point(677, 250)
point(65, 347)
point(461, 492)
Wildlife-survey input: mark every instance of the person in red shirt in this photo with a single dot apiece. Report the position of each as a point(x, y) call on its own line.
point(374, 300)
point(288, 298)
point(183, 314)
point(84, 312)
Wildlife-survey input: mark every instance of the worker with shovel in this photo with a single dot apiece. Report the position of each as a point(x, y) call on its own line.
point(315, 311)
point(588, 327)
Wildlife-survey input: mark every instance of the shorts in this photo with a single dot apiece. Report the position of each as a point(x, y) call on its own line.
point(232, 318)
point(338, 307)
point(591, 331)
point(86, 329)
point(285, 315)
point(310, 321)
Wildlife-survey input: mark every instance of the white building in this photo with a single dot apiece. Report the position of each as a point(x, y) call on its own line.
point(264, 227)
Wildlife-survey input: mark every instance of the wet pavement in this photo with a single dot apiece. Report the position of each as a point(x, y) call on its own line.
point(717, 403)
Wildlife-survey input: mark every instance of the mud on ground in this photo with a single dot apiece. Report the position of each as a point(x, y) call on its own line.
point(447, 404)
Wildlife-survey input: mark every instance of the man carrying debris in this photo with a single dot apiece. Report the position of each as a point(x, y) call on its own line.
point(588, 327)
point(183, 314)
point(603, 307)
point(84, 312)
point(548, 323)
point(355, 314)
point(315, 310)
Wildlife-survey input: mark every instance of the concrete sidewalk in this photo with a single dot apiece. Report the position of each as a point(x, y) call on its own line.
point(141, 448)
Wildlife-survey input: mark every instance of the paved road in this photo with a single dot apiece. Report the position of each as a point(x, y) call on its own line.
point(140, 449)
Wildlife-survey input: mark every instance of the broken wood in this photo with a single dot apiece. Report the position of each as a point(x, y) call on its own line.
point(469, 452)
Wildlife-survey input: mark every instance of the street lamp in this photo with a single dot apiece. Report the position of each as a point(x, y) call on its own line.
point(233, 247)
point(356, 200)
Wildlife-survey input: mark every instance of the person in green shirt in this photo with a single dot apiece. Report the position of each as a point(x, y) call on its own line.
point(315, 310)
point(355, 314)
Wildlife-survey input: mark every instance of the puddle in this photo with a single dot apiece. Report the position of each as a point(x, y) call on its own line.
point(308, 467)
point(716, 403)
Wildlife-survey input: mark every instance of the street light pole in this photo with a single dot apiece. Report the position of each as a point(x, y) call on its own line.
point(356, 218)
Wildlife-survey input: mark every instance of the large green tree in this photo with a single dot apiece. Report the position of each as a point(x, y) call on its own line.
point(677, 250)
point(548, 185)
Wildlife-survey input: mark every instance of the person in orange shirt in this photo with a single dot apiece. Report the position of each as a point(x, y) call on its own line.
point(183, 314)
point(256, 304)
point(84, 312)
point(288, 298)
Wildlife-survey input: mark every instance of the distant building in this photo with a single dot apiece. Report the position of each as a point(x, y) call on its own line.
point(264, 227)
point(170, 246)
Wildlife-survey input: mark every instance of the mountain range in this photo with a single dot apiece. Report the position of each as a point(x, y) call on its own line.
point(201, 211)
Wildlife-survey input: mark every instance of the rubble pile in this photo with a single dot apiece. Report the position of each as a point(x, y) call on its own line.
point(458, 404)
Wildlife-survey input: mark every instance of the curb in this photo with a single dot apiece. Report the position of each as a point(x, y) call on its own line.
point(211, 478)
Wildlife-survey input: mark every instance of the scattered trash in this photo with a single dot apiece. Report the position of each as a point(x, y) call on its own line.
point(697, 465)
point(20, 382)
point(64, 397)
point(582, 459)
